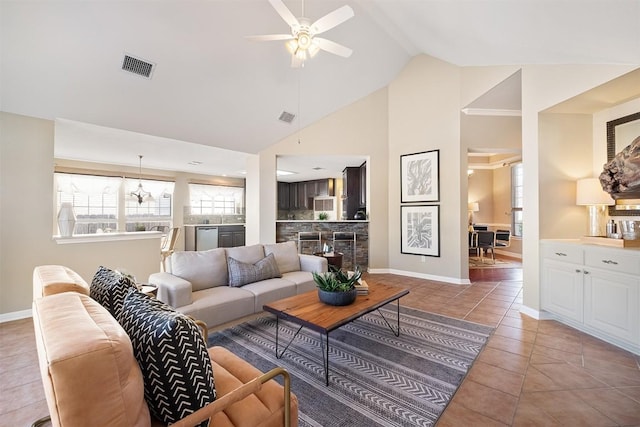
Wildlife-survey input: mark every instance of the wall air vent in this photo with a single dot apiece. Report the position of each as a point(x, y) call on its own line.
point(138, 66)
point(286, 117)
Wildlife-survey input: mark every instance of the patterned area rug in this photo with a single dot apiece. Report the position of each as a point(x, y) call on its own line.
point(487, 262)
point(376, 378)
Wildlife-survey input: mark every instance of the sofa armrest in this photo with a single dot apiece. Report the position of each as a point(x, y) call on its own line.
point(172, 290)
point(237, 395)
point(313, 263)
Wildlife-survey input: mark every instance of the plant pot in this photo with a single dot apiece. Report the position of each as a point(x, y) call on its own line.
point(337, 298)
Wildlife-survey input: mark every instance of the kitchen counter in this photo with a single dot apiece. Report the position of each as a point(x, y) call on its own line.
point(287, 230)
point(323, 220)
point(214, 225)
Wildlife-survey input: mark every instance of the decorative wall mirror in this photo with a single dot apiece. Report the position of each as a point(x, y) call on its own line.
point(620, 133)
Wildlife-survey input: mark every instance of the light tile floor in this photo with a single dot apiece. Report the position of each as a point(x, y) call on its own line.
point(531, 373)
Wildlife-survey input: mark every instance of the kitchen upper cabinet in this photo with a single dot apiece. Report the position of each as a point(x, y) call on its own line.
point(299, 195)
point(351, 189)
point(363, 185)
point(283, 195)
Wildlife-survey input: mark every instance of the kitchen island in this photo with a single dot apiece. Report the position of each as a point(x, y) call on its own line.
point(287, 230)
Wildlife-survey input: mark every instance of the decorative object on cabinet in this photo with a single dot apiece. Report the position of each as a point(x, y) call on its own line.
point(420, 177)
point(473, 207)
point(621, 133)
point(589, 193)
point(420, 230)
point(66, 219)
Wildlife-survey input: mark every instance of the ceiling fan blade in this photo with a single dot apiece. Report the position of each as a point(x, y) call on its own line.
point(285, 13)
point(331, 19)
point(333, 47)
point(270, 37)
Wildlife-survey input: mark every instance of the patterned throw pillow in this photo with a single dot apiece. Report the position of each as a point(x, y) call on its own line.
point(242, 273)
point(173, 357)
point(109, 287)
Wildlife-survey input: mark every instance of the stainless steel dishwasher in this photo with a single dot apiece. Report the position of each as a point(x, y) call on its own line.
point(206, 238)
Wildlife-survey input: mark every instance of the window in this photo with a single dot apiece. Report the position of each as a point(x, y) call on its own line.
point(152, 214)
point(94, 200)
point(517, 189)
point(216, 200)
point(97, 200)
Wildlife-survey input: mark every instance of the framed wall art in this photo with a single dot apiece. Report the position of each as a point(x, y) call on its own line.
point(420, 177)
point(420, 230)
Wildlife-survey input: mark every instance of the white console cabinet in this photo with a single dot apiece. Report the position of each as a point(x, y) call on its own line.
point(593, 288)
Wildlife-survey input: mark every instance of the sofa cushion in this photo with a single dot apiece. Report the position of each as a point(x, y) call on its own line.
point(286, 254)
point(109, 287)
point(204, 269)
point(249, 254)
point(243, 273)
point(172, 354)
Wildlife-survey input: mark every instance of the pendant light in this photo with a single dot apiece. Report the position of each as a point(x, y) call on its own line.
point(140, 194)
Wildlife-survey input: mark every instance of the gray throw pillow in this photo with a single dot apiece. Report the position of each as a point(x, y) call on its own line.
point(242, 273)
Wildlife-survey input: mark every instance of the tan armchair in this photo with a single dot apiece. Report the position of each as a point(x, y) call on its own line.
point(91, 377)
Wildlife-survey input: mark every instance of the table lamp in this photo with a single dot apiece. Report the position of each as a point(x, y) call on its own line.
point(473, 207)
point(589, 193)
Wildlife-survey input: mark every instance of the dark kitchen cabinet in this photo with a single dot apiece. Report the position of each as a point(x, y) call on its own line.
point(351, 189)
point(299, 195)
point(363, 185)
point(231, 236)
point(283, 195)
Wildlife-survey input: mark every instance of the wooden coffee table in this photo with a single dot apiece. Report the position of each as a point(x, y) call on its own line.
point(306, 310)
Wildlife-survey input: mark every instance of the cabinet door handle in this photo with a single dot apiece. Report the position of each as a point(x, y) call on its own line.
point(578, 271)
point(561, 254)
point(608, 261)
point(586, 272)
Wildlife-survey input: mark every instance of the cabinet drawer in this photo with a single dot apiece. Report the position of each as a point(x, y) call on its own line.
point(613, 260)
point(565, 253)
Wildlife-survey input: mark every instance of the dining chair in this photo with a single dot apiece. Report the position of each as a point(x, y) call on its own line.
point(503, 238)
point(168, 245)
point(486, 243)
point(473, 242)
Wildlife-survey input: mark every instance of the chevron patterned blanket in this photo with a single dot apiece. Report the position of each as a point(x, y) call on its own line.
point(376, 378)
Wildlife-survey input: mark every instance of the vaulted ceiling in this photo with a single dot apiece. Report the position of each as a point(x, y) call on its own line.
point(61, 59)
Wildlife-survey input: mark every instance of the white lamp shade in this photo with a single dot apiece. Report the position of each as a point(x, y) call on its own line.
point(474, 206)
point(589, 192)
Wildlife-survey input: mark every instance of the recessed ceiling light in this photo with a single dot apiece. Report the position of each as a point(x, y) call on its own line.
point(194, 163)
point(283, 173)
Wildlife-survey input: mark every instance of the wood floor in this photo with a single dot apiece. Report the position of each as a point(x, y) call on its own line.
point(531, 373)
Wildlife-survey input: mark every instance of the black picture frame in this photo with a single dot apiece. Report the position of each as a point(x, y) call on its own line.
point(420, 177)
point(420, 230)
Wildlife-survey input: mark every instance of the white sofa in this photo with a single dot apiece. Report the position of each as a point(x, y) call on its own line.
point(196, 283)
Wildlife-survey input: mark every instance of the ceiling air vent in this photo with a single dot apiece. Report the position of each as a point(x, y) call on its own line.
point(137, 66)
point(286, 117)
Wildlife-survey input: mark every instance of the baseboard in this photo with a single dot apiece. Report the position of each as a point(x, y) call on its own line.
point(453, 280)
point(16, 315)
point(509, 254)
point(536, 314)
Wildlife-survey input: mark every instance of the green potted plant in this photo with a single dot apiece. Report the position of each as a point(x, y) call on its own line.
point(336, 287)
point(323, 216)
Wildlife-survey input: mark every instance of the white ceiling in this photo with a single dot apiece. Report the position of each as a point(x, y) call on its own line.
point(61, 59)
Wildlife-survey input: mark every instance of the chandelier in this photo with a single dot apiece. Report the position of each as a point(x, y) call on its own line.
point(140, 194)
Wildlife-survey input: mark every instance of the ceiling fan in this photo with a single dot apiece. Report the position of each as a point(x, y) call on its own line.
point(302, 42)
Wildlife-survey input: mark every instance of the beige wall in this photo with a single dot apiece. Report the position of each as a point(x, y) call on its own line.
point(26, 227)
point(424, 114)
point(358, 129)
point(543, 87)
point(481, 191)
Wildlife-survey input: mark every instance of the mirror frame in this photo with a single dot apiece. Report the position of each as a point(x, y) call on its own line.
point(611, 153)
